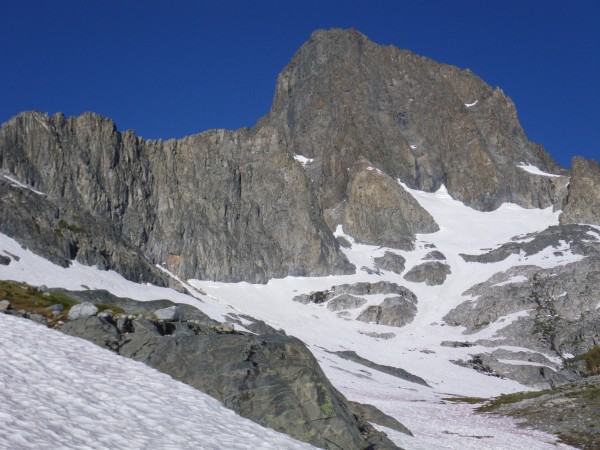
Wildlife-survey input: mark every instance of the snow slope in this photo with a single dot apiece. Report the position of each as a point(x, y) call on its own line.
point(416, 347)
point(57, 391)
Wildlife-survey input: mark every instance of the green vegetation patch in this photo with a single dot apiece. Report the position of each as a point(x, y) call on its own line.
point(29, 298)
point(592, 361)
point(64, 225)
point(469, 400)
point(512, 398)
point(113, 308)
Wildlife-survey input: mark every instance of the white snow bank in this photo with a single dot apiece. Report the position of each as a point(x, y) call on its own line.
point(57, 391)
point(469, 105)
point(303, 159)
point(535, 170)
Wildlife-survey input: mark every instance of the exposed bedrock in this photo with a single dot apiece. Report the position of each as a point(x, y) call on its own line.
point(582, 204)
point(236, 205)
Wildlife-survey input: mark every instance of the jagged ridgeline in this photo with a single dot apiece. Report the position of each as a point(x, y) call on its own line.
point(349, 119)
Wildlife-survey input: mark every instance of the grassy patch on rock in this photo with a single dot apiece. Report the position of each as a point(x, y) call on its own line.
point(571, 411)
point(29, 298)
point(507, 399)
point(469, 400)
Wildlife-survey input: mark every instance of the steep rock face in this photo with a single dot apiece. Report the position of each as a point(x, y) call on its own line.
point(54, 233)
point(583, 200)
point(235, 205)
point(379, 211)
point(219, 205)
point(343, 97)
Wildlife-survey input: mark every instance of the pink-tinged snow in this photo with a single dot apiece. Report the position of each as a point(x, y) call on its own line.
point(535, 170)
point(436, 423)
point(61, 392)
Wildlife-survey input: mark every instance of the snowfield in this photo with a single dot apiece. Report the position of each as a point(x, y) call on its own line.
point(416, 347)
point(61, 392)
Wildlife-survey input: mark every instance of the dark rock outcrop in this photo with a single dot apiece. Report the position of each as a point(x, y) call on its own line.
point(561, 303)
point(431, 273)
point(434, 255)
point(393, 311)
point(372, 414)
point(356, 289)
point(272, 379)
point(394, 371)
point(390, 261)
point(558, 306)
point(583, 200)
point(559, 314)
point(577, 237)
point(345, 301)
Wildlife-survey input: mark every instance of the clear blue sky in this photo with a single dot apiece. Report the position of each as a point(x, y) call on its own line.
point(174, 68)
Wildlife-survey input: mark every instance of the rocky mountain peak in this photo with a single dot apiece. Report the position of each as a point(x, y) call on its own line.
point(342, 96)
point(258, 203)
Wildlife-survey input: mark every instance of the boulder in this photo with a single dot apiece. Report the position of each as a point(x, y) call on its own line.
point(85, 309)
point(4, 260)
point(434, 255)
point(4, 305)
point(390, 261)
point(397, 372)
point(225, 327)
point(529, 374)
point(393, 311)
point(56, 310)
point(431, 273)
point(374, 415)
point(345, 301)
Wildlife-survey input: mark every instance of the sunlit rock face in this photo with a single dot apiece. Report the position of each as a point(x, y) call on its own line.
point(349, 119)
point(583, 200)
point(343, 97)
